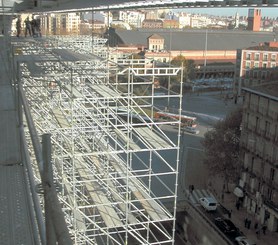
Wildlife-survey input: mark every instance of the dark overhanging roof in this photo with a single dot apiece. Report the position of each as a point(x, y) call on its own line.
point(196, 39)
point(268, 90)
point(87, 5)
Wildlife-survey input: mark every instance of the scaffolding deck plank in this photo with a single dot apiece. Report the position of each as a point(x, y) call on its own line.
point(107, 212)
point(131, 217)
point(154, 210)
point(126, 139)
point(76, 94)
point(105, 91)
point(152, 138)
point(61, 118)
point(151, 206)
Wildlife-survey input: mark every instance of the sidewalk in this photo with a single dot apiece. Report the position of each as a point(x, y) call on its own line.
point(238, 217)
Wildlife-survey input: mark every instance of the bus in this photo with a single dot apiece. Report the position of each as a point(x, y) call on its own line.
point(186, 121)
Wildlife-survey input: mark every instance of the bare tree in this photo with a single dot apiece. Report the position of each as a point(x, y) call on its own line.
point(222, 147)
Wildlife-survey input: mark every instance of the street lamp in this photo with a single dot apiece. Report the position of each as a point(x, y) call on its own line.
point(206, 48)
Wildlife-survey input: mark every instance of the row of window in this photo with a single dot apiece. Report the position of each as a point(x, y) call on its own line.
point(249, 64)
point(256, 75)
point(257, 56)
point(257, 185)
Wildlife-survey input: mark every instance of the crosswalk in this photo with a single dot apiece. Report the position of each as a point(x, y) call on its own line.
point(195, 195)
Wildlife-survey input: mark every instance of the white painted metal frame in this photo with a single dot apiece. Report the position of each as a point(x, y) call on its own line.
point(104, 158)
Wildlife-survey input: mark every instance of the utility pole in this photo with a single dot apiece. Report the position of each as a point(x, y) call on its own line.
point(206, 48)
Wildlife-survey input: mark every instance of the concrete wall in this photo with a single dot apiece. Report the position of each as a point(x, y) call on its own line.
point(199, 230)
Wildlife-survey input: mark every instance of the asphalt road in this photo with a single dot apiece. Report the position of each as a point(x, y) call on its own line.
point(208, 108)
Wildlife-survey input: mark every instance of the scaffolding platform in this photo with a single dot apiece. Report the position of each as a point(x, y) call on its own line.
point(96, 138)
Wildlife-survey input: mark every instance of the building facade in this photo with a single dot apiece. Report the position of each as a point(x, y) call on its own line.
point(133, 18)
point(171, 24)
point(259, 153)
point(153, 24)
point(256, 65)
point(155, 43)
point(254, 20)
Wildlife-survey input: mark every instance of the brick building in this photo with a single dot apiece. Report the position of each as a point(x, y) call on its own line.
point(256, 65)
point(259, 153)
point(153, 24)
point(171, 24)
point(254, 20)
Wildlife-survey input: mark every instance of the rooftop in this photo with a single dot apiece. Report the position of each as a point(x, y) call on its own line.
point(266, 90)
point(196, 39)
point(271, 46)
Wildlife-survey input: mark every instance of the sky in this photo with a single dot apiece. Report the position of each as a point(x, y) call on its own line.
point(271, 12)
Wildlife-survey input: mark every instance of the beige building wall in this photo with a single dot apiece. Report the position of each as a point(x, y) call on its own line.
point(259, 143)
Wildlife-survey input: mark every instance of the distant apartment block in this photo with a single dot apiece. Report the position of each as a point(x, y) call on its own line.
point(133, 18)
point(72, 23)
point(184, 20)
point(61, 24)
point(153, 24)
point(198, 21)
point(170, 24)
point(259, 154)
point(256, 65)
point(151, 14)
point(254, 20)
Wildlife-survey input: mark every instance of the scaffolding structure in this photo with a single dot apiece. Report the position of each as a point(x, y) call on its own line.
point(108, 149)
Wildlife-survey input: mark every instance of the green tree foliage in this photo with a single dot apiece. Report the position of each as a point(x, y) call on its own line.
point(188, 67)
point(222, 147)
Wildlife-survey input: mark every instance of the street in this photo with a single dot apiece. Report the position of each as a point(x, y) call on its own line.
point(208, 108)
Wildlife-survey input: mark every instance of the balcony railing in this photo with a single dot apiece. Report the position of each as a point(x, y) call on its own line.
point(271, 205)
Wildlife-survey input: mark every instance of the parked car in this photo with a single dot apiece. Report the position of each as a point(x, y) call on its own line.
point(191, 130)
point(225, 225)
point(242, 240)
point(208, 203)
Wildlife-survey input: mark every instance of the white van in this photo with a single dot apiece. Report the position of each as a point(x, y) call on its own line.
point(208, 203)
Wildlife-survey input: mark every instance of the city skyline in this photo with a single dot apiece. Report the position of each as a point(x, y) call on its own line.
point(271, 12)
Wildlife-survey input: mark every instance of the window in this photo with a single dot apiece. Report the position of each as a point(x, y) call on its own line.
point(257, 56)
point(273, 57)
point(257, 124)
point(264, 65)
point(269, 193)
point(248, 56)
point(252, 163)
point(273, 65)
point(247, 64)
point(247, 118)
point(263, 75)
point(265, 57)
point(256, 64)
point(267, 128)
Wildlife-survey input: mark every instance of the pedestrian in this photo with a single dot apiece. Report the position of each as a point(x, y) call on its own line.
point(258, 233)
point(33, 26)
point(18, 26)
point(38, 26)
point(237, 205)
point(230, 213)
point(264, 229)
point(245, 222)
point(256, 226)
point(249, 224)
point(27, 26)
